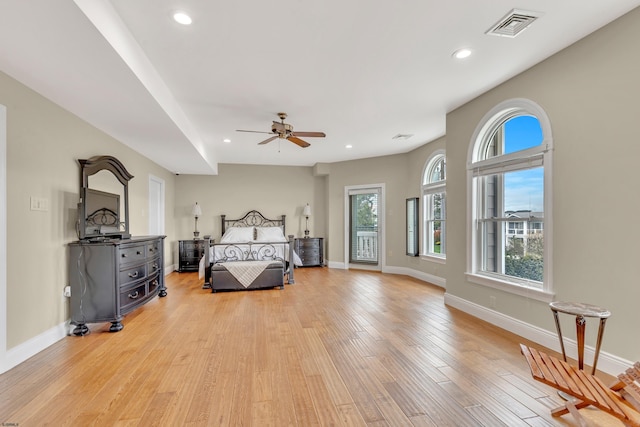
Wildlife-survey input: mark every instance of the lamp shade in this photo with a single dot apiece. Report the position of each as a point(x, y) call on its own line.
point(307, 210)
point(196, 210)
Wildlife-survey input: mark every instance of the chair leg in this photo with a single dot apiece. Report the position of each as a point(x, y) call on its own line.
point(574, 411)
point(562, 410)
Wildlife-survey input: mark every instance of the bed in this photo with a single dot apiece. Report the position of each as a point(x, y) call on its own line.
point(253, 253)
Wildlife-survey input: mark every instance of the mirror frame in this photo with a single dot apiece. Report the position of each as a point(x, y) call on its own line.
point(96, 164)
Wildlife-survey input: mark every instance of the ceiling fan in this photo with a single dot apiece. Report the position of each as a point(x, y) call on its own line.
point(284, 130)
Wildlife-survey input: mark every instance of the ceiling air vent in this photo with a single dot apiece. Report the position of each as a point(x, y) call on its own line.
point(513, 23)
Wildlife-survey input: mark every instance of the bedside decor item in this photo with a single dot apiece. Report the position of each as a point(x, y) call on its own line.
point(189, 254)
point(196, 211)
point(310, 250)
point(306, 213)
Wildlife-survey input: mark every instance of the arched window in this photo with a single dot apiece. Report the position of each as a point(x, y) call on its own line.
point(433, 196)
point(510, 183)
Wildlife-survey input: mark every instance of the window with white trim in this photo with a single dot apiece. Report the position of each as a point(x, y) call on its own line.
point(509, 178)
point(434, 198)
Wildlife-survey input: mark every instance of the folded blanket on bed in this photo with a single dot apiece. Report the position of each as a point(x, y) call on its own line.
point(276, 251)
point(246, 271)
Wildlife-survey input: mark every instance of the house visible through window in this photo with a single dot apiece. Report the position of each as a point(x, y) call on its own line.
point(434, 202)
point(507, 173)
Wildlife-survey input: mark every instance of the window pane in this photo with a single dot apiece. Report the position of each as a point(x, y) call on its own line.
point(512, 231)
point(520, 133)
point(519, 255)
point(516, 134)
point(438, 171)
point(524, 191)
point(434, 224)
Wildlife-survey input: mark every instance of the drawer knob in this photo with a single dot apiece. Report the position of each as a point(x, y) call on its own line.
point(134, 274)
point(134, 295)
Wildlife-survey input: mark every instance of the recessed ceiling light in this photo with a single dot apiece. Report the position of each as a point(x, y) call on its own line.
point(226, 140)
point(348, 146)
point(182, 18)
point(462, 53)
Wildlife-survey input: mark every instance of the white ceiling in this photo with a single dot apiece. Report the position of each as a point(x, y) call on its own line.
point(361, 71)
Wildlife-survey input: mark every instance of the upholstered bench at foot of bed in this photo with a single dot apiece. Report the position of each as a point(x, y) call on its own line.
point(271, 277)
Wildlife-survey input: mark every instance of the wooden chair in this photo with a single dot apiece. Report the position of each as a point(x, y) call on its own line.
point(622, 399)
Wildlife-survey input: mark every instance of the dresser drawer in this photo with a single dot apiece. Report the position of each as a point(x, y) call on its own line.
point(132, 274)
point(153, 250)
point(191, 253)
point(192, 245)
point(153, 267)
point(132, 254)
point(308, 243)
point(153, 285)
point(307, 253)
point(130, 297)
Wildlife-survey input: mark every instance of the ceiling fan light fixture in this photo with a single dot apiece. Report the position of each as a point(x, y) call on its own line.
point(348, 146)
point(226, 141)
point(182, 18)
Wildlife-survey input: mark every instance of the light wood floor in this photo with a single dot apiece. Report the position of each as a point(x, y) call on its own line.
point(337, 348)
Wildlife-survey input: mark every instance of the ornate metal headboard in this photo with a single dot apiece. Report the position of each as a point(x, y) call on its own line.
point(252, 219)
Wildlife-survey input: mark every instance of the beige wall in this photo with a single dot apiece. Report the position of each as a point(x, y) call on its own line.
point(590, 93)
point(43, 145)
point(237, 189)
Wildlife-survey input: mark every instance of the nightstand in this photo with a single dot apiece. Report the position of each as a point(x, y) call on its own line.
point(310, 251)
point(189, 254)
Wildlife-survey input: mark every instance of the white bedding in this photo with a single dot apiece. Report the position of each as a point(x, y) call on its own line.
point(260, 251)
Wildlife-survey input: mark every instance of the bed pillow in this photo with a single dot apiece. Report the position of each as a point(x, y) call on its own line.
point(270, 234)
point(237, 235)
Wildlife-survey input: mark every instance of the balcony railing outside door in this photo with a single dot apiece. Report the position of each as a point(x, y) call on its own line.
point(366, 245)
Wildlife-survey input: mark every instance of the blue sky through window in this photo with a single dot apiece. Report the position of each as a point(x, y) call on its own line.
point(524, 190)
point(520, 133)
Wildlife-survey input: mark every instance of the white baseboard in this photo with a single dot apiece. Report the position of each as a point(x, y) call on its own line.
point(609, 363)
point(425, 277)
point(337, 265)
point(441, 282)
point(27, 349)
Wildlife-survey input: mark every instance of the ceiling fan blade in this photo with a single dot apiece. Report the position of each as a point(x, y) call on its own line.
point(313, 134)
point(253, 131)
point(266, 141)
point(298, 141)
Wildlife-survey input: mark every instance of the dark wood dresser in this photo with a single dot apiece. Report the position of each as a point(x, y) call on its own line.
point(189, 254)
point(109, 279)
point(310, 251)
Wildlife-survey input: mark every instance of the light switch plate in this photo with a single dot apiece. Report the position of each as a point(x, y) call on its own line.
point(39, 204)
